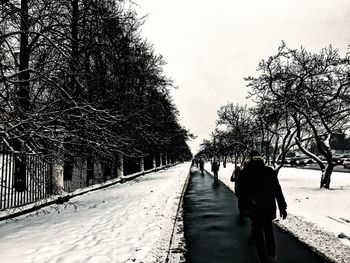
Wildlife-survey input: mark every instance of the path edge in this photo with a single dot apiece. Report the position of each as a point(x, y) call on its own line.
point(177, 245)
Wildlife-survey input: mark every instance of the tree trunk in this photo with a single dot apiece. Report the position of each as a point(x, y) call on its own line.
point(24, 76)
point(120, 167)
point(142, 164)
point(326, 176)
point(23, 100)
point(74, 46)
point(89, 168)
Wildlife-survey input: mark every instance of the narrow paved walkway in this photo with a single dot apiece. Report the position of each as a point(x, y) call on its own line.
point(213, 233)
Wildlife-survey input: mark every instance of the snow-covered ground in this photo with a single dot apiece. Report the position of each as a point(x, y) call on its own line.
point(130, 222)
point(316, 216)
point(133, 222)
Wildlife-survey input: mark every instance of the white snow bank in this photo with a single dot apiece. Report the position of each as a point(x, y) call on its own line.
point(52, 199)
point(325, 243)
point(130, 222)
point(316, 216)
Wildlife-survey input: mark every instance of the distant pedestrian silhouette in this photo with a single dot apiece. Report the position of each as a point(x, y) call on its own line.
point(237, 178)
point(215, 169)
point(201, 166)
point(259, 188)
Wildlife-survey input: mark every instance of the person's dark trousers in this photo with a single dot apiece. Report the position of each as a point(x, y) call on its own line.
point(216, 175)
point(241, 210)
point(264, 239)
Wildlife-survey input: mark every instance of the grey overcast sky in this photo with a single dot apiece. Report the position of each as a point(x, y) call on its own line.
point(210, 46)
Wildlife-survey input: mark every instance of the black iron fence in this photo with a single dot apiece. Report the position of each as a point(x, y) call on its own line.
point(83, 174)
point(32, 183)
point(28, 178)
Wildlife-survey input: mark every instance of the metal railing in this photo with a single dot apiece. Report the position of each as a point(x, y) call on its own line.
point(34, 184)
point(28, 178)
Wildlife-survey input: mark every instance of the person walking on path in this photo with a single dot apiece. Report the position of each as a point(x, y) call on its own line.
point(259, 190)
point(201, 165)
point(215, 169)
point(236, 178)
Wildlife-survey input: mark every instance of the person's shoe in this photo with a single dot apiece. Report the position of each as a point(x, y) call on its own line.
point(274, 259)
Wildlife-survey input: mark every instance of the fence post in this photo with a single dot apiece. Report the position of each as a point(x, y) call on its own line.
point(166, 159)
point(160, 160)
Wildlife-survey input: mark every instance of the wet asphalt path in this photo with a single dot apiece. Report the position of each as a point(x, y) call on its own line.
point(214, 235)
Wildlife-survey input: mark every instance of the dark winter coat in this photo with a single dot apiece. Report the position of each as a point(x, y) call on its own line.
point(236, 178)
point(259, 190)
point(215, 166)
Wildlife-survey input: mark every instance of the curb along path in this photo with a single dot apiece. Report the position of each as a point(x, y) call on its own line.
point(177, 248)
point(213, 232)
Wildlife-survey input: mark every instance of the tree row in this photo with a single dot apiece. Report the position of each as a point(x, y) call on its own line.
point(301, 101)
point(76, 79)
